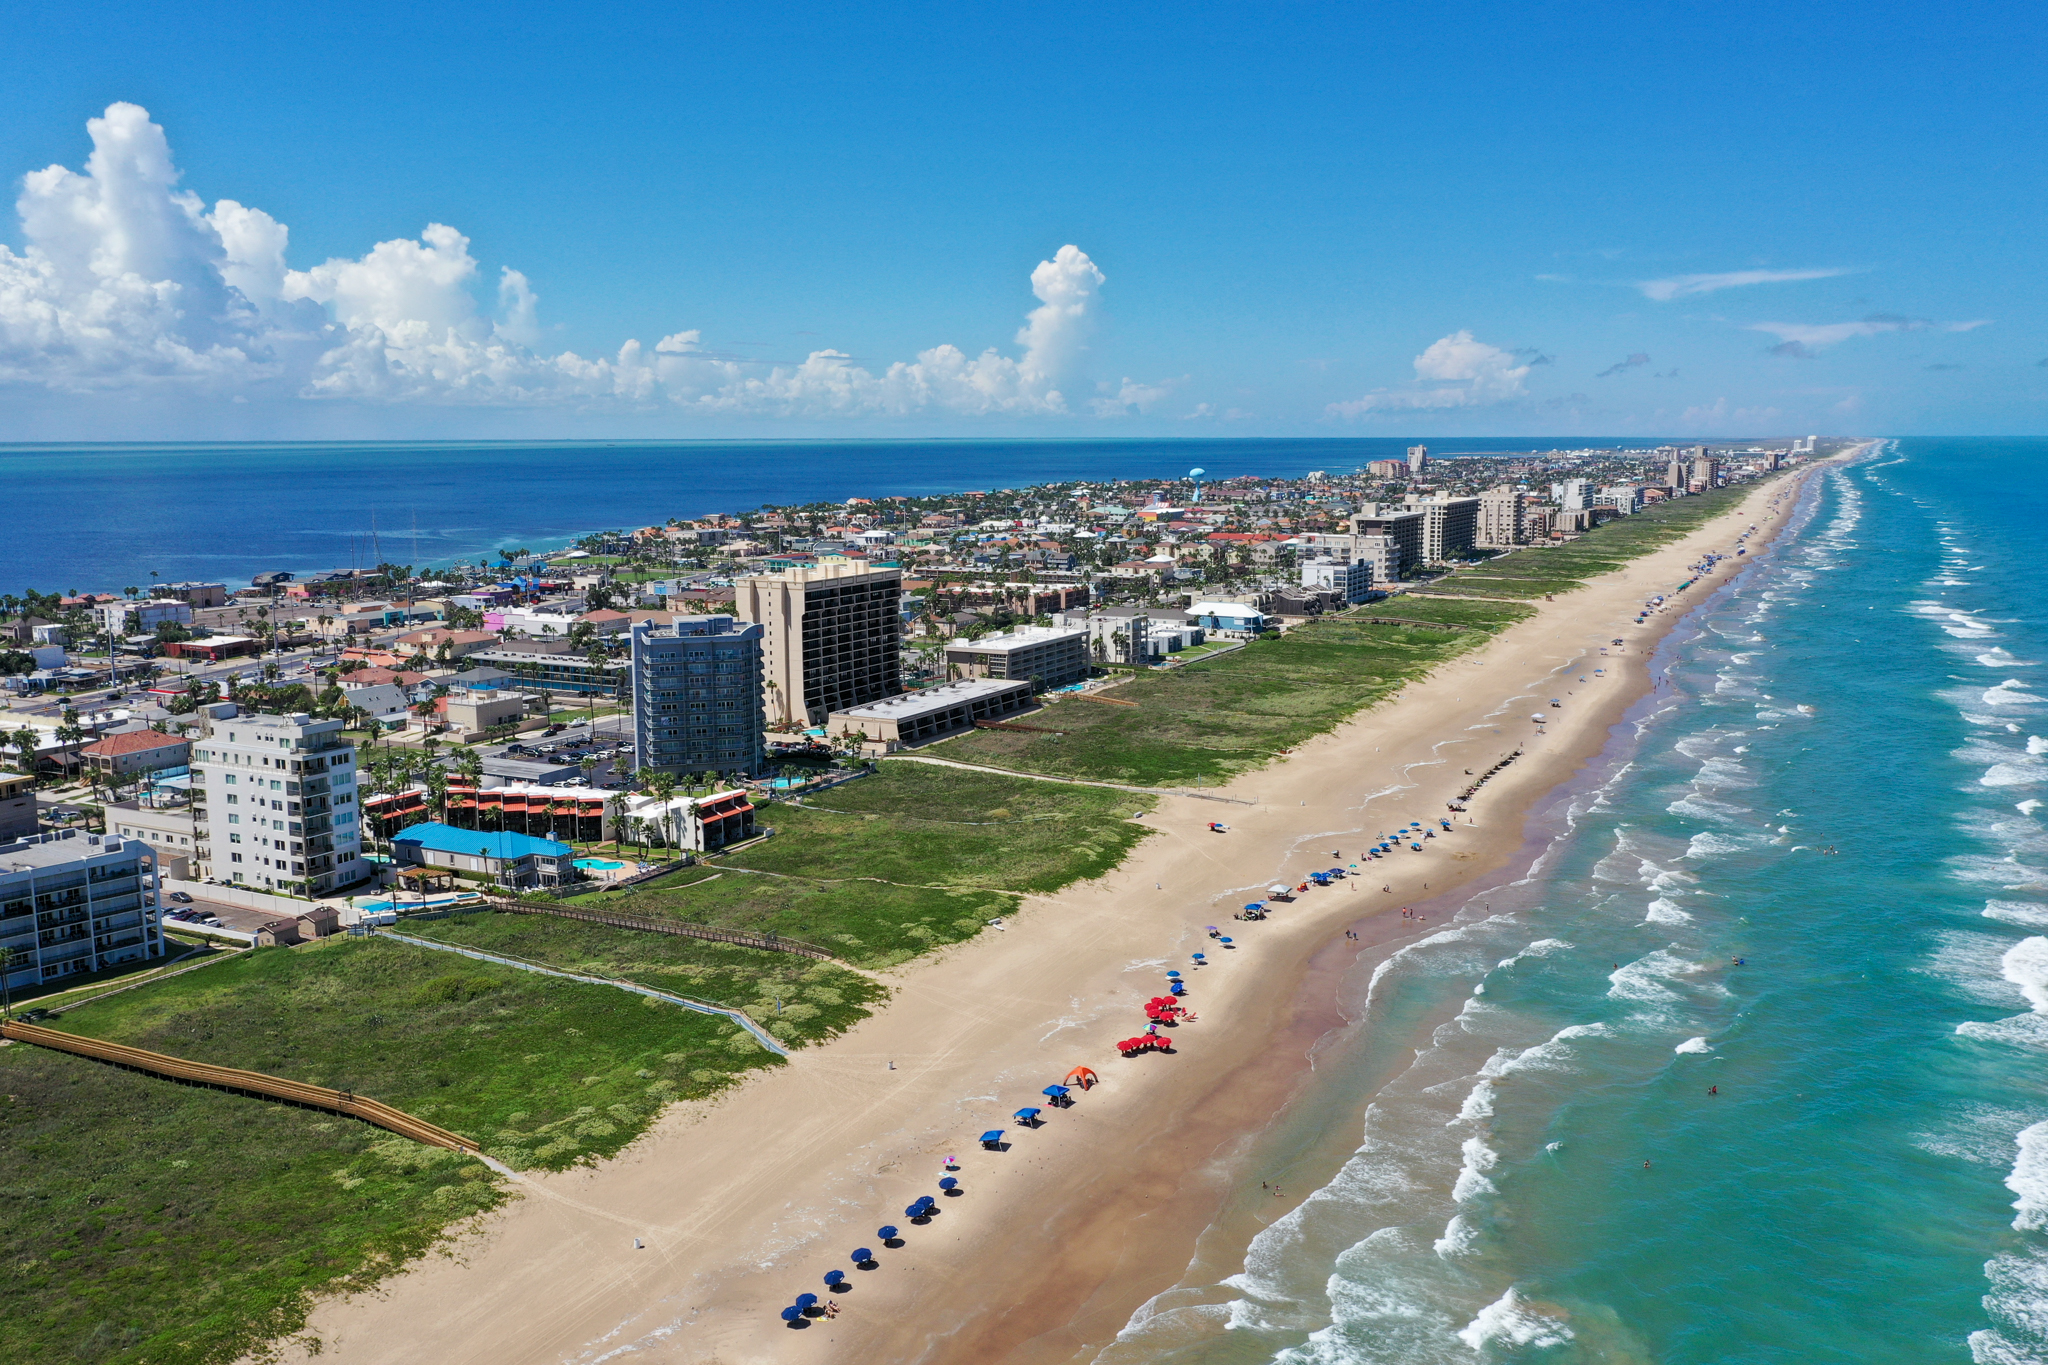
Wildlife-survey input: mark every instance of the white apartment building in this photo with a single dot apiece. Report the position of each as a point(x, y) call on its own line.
point(275, 804)
point(1573, 495)
point(72, 903)
point(1623, 498)
point(123, 618)
point(1503, 518)
point(1418, 459)
point(1353, 580)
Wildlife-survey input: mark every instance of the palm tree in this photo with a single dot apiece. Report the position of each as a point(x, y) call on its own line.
point(662, 787)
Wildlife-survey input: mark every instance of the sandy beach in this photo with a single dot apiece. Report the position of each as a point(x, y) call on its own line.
point(741, 1203)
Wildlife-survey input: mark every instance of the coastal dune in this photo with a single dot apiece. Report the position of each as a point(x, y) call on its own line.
point(686, 1246)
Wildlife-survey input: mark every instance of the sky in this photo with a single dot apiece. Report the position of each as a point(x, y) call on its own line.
point(468, 221)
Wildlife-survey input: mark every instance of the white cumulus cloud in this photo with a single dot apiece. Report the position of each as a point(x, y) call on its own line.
point(1680, 286)
point(1456, 371)
point(126, 281)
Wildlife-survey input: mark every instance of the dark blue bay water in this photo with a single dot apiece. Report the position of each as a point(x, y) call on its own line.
point(1870, 1184)
point(107, 515)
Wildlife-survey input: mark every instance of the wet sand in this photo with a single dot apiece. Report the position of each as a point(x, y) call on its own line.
point(745, 1201)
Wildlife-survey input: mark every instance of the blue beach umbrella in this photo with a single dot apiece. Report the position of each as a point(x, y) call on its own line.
point(949, 1183)
point(792, 1313)
point(862, 1255)
point(887, 1234)
point(804, 1301)
point(833, 1277)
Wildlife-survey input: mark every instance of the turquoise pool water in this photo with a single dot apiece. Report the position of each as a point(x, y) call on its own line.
point(602, 864)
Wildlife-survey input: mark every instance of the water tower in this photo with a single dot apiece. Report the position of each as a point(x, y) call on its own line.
point(1195, 478)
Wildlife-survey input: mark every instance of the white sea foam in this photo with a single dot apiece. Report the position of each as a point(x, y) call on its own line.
point(1974, 963)
point(2018, 1298)
point(2029, 1179)
point(1478, 1103)
point(1514, 1321)
point(2026, 965)
point(1662, 911)
point(1707, 844)
point(2011, 692)
point(1699, 807)
point(2028, 806)
point(1724, 772)
point(1693, 1045)
point(2037, 745)
point(2026, 914)
point(2013, 775)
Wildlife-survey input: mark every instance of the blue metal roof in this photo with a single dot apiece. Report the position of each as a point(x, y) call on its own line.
point(477, 842)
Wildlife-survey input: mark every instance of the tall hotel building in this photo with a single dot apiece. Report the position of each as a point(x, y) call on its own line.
point(832, 638)
point(697, 696)
point(276, 806)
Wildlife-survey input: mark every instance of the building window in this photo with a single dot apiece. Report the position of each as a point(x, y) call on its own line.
point(235, 858)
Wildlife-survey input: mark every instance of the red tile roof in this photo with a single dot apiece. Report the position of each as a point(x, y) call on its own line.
point(133, 742)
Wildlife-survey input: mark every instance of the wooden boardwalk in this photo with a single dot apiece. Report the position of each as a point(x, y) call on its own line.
point(246, 1082)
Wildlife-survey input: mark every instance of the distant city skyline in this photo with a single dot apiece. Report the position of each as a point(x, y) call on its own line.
point(1309, 221)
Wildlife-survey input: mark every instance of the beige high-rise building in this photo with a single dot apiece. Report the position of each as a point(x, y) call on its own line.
point(832, 638)
point(1501, 521)
point(1418, 459)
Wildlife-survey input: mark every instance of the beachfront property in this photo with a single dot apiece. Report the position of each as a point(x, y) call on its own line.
point(1450, 526)
point(697, 695)
point(933, 712)
point(72, 903)
point(695, 824)
point(1403, 527)
point(518, 861)
point(832, 637)
point(1353, 582)
point(1044, 656)
point(274, 805)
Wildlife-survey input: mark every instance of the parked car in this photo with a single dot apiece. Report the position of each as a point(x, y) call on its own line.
point(213, 921)
point(181, 897)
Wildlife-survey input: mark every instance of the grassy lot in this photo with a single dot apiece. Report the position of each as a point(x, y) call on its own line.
point(543, 1072)
point(1221, 716)
point(889, 866)
point(798, 999)
point(146, 1221)
point(1536, 570)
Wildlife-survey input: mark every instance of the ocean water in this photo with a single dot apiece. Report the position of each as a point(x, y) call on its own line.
point(1528, 1162)
point(109, 515)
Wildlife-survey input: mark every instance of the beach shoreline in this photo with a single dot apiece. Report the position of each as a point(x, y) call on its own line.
point(741, 1202)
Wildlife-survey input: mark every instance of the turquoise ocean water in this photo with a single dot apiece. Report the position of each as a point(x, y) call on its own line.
point(1870, 1184)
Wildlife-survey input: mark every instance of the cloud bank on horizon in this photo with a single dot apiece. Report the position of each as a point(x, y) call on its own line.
point(127, 282)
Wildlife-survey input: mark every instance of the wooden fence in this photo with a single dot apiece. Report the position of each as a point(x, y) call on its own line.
point(246, 1082)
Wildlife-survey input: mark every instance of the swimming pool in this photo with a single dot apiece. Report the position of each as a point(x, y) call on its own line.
point(601, 864)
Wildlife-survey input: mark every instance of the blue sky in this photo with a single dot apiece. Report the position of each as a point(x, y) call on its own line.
point(1289, 219)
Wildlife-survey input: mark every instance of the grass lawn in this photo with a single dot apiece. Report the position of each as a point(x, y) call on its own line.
point(147, 1221)
point(889, 866)
point(1221, 716)
point(798, 999)
point(543, 1072)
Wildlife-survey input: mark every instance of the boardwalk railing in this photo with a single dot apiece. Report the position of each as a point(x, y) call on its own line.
point(248, 1082)
point(679, 928)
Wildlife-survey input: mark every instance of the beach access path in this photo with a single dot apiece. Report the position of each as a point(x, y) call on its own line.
point(685, 1247)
